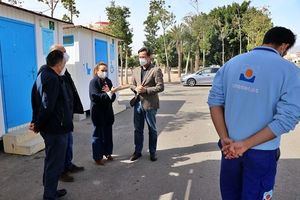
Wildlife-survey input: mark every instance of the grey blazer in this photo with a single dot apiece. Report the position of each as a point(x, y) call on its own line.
point(153, 82)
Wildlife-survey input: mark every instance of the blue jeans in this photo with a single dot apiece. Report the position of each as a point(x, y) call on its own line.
point(250, 177)
point(140, 115)
point(55, 149)
point(69, 153)
point(102, 141)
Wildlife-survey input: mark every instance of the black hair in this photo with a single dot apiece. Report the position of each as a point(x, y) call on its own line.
point(147, 50)
point(279, 35)
point(54, 57)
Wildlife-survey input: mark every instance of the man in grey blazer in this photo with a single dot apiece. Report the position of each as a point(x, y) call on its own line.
point(147, 82)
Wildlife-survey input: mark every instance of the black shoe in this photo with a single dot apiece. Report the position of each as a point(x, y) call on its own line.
point(135, 156)
point(65, 177)
point(75, 169)
point(61, 193)
point(153, 157)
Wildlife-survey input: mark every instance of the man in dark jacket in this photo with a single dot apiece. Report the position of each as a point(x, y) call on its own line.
point(76, 106)
point(52, 117)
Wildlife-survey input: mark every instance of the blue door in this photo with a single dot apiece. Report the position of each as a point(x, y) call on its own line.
point(101, 51)
point(17, 70)
point(48, 40)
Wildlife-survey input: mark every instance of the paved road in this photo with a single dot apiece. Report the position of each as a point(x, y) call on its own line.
point(187, 166)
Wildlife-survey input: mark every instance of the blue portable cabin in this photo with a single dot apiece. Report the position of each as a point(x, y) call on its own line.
point(86, 48)
point(25, 39)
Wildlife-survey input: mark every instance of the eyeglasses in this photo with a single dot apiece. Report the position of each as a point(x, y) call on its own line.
point(103, 70)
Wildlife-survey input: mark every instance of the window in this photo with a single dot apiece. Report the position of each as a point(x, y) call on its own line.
point(51, 25)
point(206, 71)
point(68, 40)
point(214, 70)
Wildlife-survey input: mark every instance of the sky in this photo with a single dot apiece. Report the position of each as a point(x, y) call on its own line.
point(283, 12)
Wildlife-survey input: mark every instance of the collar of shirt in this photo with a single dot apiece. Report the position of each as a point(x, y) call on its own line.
point(146, 68)
point(267, 49)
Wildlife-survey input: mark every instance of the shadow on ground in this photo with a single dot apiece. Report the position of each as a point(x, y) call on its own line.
point(189, 172)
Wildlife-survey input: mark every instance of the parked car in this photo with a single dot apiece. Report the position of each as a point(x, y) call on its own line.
point(202, 77)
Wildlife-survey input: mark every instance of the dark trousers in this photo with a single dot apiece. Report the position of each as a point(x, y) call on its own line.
point(102, 141)
point(69, 152)
point(55, 149)
point(140, 115)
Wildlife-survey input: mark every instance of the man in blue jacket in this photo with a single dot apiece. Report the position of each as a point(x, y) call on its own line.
point(52, 117)
point(253, 101)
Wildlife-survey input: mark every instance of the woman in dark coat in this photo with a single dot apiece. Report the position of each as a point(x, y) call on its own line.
point(102, 95)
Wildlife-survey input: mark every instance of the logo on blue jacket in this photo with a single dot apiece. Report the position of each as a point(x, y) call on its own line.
point(247, 76)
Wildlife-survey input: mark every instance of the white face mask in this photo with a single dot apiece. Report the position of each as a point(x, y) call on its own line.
point(63, 71)
point(66, 57)
point(102, 75)
point(143, 61)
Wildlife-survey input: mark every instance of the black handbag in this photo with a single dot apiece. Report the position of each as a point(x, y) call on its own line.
point(134, 100)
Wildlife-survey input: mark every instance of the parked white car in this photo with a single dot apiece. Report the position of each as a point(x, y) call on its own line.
point(202, 77)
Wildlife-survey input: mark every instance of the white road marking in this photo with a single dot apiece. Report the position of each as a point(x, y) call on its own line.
point(188, 190)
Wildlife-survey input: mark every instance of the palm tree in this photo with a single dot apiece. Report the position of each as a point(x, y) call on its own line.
point(223, 27)
point(166, 20)
point(195, 24)
point(188, 42)
point(177, 35)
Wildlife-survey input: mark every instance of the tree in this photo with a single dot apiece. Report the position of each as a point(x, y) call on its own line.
point(188, 42)
point(119, 26)
point(227, 22)
point(221, 18)
point(166, 20)
point(177, 35)
point(170, 48)
point(255, 24)
point(201, 25)
point(224, 29)
point(195, 27)
point(223, 33)
point(52, 4)
point(205, 32)
point(196, 32)
point(195, 4)
point(70, 5)
point(158, 17)
point(151, 25)
point(133, 61)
